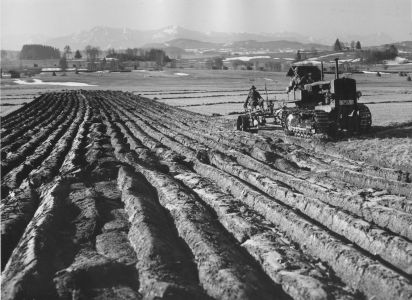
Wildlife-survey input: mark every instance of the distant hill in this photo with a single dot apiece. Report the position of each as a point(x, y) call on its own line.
point(175, 39)
point(238, 46)
point(184, 44)
point(403, 46)
point(275, 45)
point(120, 38)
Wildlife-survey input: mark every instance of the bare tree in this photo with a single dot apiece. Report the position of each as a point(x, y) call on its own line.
point(92, 53)
point(111, 52)
point(67, 51)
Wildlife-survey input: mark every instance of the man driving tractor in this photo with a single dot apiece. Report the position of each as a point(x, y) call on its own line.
point(253, 99)
point(299, 81)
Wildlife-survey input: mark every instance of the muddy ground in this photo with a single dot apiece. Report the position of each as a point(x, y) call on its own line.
point(108, 195)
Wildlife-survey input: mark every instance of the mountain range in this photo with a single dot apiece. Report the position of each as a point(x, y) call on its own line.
point(121, 38)
point(118, 38)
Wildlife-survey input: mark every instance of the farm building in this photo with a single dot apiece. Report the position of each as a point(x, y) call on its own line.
point(110, 64)
point(191, 63)
point(40, 63)
point(260, 63)
point(77, 63)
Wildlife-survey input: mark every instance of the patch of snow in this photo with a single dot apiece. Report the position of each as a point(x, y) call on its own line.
point(307, 62)
point(181, 74)
point(268, 79)
point(332, 54)
point(171, 30)
point(373, 72)
point(397, 61)
point(245, 58)
point(51, 69)
point(40, 82)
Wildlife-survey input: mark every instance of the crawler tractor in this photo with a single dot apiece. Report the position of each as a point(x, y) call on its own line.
point(324, 107)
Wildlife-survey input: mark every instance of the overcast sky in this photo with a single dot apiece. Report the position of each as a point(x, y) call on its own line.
point(309, 17)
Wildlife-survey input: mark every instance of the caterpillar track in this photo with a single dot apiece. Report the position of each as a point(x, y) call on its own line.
point(305, 122)
point(365, 118)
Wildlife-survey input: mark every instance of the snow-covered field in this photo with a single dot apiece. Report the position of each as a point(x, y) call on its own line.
point(41, 82)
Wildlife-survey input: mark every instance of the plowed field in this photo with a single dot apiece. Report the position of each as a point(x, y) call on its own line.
point(108, 195)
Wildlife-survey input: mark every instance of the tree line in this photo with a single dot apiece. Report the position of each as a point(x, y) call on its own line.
point(374, 56)
point(137, 54)
point(369, 56)
point(92, 53)
point(39, 52)
point(339, 46)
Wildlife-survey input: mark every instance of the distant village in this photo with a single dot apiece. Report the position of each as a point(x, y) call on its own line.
point(35, 59)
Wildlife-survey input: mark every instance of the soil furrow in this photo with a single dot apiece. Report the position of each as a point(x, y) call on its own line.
point(215, 254)
point(298, 274)
point(33, 107)
point(355, 230)
point(390, 177)
point(29, 271)
point(385, 270)
point(393, 249)
point(359, 271)
point(14, 159)
point(21, 204)
point(261, 150)
point(28, 123)
point(397, 222)
point(165, 265)
point(103, 261)
point(294, 278)
point(28, 134)
point(107, 195)
point(13, 178)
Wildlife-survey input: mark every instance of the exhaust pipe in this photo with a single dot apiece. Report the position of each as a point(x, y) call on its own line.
point(336, 68)
point(321, 71)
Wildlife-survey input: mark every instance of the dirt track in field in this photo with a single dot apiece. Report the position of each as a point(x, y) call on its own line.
point(106, 195)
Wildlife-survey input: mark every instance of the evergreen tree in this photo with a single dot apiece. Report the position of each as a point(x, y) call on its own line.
point(358, 46)
point(298, 56)
point(63, 63)
point(337, 46)
point(77, 54)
